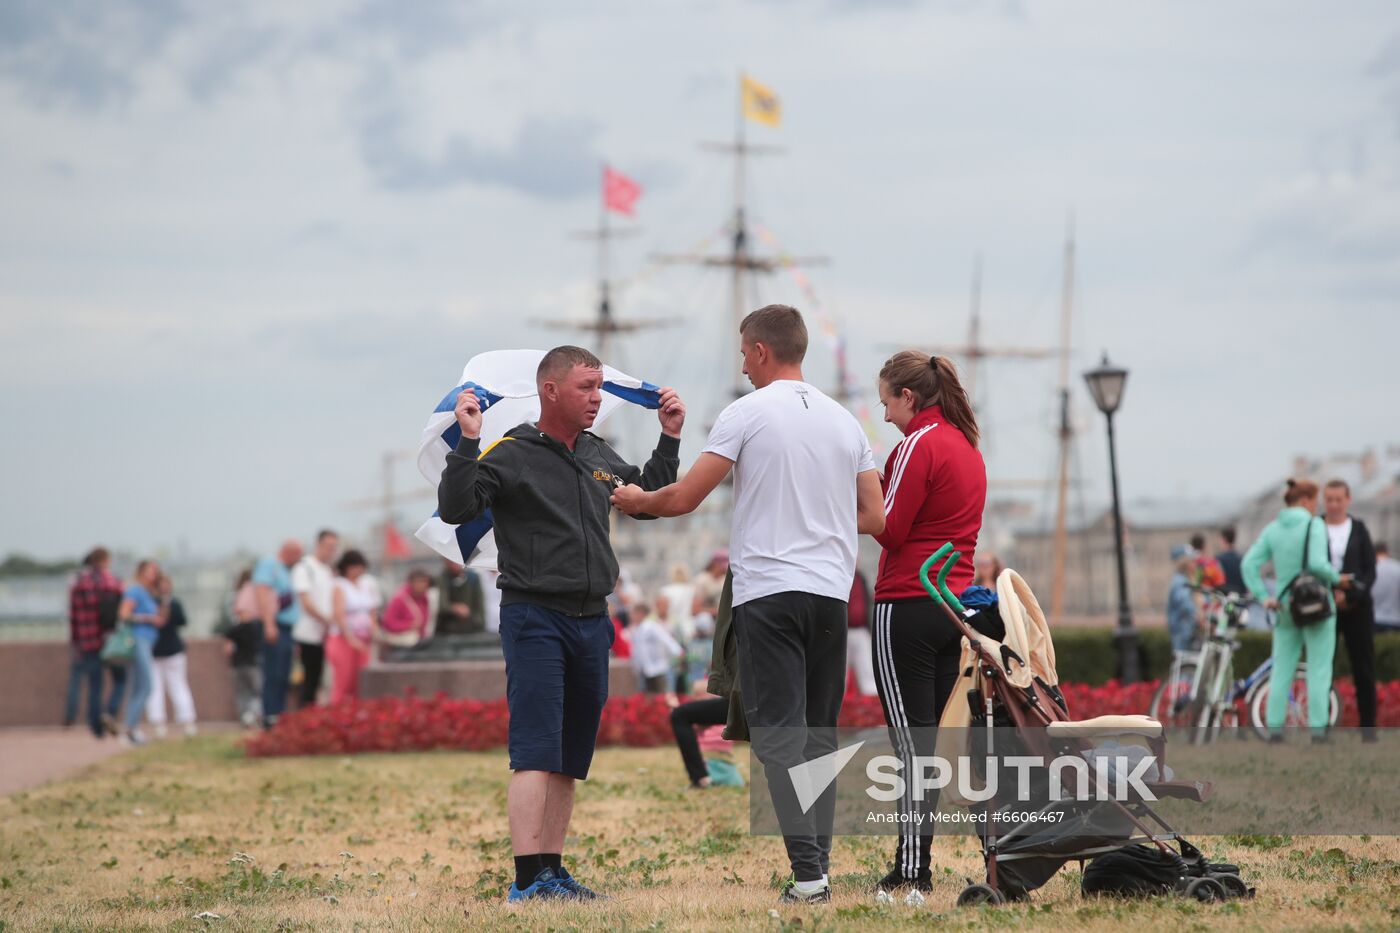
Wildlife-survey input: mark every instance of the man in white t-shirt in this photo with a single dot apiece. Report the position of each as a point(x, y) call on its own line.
point(313, 581)
point(805, 485)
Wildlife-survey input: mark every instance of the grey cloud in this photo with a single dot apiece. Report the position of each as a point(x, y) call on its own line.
point(1385, 67)
point(358, 338)
point(1387, 60)
point(549, 158)
point(234, 50)
point(89, 54)
point(1014, 9)
point(83, 53)
point(426, 26)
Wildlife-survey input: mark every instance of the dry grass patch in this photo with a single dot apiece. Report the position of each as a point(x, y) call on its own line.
point(191, 835)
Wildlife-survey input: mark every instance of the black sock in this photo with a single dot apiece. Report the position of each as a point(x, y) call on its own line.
point(552, 860)
point(526, 868)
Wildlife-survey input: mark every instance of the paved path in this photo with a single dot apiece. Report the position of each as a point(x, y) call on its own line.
point(30, 757)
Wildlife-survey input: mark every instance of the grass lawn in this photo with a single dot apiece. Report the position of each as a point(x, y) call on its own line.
point(156, 837)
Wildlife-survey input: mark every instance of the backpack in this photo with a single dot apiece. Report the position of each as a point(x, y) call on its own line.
point(1133, 871)
point(1312, 601)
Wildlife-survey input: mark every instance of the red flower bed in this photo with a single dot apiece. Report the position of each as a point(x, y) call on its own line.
point(414, 723)
point(388, 724)
point(1387, 703)
point(1110, 699)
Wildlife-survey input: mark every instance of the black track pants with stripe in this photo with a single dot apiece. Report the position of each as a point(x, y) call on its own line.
point(916, 651)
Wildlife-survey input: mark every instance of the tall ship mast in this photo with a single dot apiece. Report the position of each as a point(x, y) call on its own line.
point(619, 196)
point(757, 103)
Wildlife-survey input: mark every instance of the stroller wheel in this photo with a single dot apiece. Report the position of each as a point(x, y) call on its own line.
point(975, 895)
point(1205, 890)
point(1233, 884)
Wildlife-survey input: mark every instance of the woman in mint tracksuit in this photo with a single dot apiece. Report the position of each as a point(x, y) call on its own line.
point(1282, 542)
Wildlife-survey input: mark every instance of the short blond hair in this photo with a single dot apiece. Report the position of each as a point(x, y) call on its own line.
point(562, 359)
point(780, 328)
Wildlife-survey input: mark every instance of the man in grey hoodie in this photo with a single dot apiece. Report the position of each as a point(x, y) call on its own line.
point(548, 486)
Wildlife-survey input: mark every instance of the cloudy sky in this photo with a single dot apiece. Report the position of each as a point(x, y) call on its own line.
point(245, 247)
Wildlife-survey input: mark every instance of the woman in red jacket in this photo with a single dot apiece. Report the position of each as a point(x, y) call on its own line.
point(935, 487)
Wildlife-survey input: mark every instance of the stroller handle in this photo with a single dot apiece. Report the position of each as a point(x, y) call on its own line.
point(923, 571)
point(948, 596)
point(940, 592)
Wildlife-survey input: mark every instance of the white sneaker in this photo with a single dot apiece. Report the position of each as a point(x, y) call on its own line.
point(191, 730)
point(134, 737)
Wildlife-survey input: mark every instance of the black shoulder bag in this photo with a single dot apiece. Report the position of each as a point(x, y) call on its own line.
point(1312, 601)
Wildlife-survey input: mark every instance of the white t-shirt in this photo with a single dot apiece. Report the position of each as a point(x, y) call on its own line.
point(653, 648)
point(796, 454)
point(1337, 538)
point(361, 599)
point(491, 599)
point(315, 579)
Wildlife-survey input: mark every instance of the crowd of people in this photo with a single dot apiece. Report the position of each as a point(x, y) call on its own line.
point(131, 634)
point(327, 612)
point(289, 618)
point(667, 635)
point(1359, 580)
point(777, 627)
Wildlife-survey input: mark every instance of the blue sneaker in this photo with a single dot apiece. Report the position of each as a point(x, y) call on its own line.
point(546, 886)
point(580, 891)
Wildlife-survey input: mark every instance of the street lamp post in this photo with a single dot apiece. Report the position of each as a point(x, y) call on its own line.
point(1106, 386)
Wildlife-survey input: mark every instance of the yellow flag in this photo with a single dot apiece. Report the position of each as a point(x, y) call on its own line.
point(760, 103)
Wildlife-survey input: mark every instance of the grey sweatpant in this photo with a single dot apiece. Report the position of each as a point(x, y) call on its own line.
point(792, 673)
point(247, 693)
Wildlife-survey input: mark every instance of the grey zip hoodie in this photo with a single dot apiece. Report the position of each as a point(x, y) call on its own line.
point(550, 507)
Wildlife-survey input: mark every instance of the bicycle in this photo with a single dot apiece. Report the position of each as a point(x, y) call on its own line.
point(1200, 691)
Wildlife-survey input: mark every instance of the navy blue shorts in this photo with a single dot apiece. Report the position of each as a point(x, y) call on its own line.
point(556, 685)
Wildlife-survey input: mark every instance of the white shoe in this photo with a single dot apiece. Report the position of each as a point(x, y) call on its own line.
point(191, 730)
point(133, 737)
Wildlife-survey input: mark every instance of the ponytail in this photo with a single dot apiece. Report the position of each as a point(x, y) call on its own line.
point(1298, 490)
point(933, 380)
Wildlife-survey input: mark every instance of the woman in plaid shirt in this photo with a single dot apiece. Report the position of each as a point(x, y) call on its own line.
point(94, 590)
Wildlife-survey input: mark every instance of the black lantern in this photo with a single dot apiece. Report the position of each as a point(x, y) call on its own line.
point(1106, 385)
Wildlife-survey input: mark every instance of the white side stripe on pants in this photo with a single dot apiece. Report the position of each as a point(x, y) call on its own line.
point(899, 722)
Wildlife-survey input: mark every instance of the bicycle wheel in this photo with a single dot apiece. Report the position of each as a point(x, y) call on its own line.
point(1296, 715)
point(1200, 711)
point(1171, 703)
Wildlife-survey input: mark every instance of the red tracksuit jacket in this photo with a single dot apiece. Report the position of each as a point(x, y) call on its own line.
point(935, 488)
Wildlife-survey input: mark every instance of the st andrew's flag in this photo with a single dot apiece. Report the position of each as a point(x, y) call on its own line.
point(504, 383)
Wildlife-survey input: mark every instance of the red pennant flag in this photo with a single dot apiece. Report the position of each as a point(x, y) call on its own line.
point(620, 193)
point(395, 546)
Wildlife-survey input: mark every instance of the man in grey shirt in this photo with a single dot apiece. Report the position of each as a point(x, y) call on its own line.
point(1385, 592)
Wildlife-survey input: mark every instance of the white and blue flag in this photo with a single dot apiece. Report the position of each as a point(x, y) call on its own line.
point(504, 383)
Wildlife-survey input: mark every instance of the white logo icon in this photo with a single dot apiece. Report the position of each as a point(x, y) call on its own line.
point(811, 779)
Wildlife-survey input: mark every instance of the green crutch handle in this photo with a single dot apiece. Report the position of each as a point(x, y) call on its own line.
point(923, 571)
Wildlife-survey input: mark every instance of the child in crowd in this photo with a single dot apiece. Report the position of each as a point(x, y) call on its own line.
point(653, 649)
point(1183, 614)
point(243, 648)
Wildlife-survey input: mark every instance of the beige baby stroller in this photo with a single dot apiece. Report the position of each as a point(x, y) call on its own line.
point(1007, 693)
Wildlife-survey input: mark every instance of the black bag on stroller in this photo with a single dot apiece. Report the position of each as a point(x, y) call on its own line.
point(1147, 871)
point(1132, 871)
